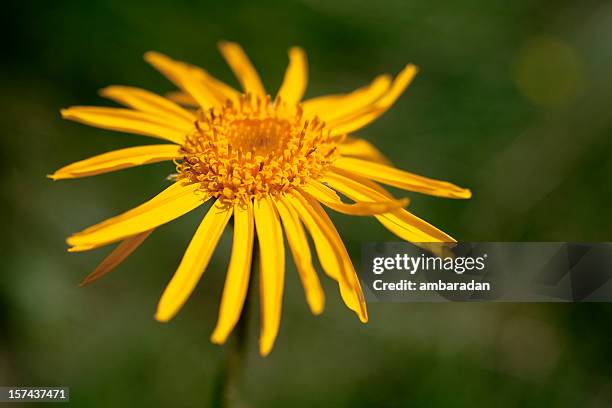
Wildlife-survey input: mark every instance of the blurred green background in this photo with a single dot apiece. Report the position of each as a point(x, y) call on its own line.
point(512, 100)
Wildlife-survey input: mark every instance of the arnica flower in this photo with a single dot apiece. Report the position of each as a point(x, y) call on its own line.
point(267, 161)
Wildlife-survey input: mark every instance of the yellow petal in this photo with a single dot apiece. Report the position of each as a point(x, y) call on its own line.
point(185, 76)
point(146, 101)
point(372, 112)
point(331, 251)
point(169, 193)
point(242, 68)
point(321, 236)
point(401, 179)
point(329, 197)
point(171, 69)
point(116, 257)
point(194, 262)
point(237, 279)
point(220, 88)
point(272, 271)
point(372, 185)
point(221, 91)
point(171, 203)
point(334, 107)
point(117, 160)
point(182, 98)
point(362, 149)
point(296, 77)
point(300, 249)
point(401, 222)
point(129, 121)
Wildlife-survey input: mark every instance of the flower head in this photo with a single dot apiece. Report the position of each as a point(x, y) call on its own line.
point(267, 162)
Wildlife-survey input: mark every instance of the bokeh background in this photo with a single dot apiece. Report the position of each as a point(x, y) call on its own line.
point(512, 100)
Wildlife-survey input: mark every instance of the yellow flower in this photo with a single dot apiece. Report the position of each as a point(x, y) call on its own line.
point(269, 163)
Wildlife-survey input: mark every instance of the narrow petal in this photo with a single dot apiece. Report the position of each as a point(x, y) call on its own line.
point(171, 69)
point(185, 76)
point(242, 68)
point(116, 257)
point(296, 77)
point(321, 237)
point(300, 249)
point(335, 107)
point(327, 196)
point(372, 185)
point(146, 101)
point(237, 279)
point(221, 91)
point(331, 251)
point(362, 149)
point(401, 179)
point(371, 113)
point(129, 121)
point(194, 262)
point(401, 222)
point(220, 88)
point(117, 160)
point(182, 98)
point(170, 193)
point(272, 271)
point(171, 203)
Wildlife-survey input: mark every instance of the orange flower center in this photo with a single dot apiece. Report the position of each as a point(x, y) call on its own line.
point(255, 147)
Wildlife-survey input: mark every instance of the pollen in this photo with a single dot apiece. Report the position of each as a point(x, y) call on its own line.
point(253, 147)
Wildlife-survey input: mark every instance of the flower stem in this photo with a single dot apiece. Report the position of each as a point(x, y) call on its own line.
point(226, 392)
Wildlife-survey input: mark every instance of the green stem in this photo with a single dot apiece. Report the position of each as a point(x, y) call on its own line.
point(226, 392)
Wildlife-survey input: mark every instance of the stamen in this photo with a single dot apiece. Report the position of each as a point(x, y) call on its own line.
point(255, 147)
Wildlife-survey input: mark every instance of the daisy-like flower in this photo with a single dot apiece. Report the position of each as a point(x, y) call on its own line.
point(268, 162)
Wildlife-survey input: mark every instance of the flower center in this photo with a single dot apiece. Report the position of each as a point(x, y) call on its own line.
point(260, 136)
point(254, 147)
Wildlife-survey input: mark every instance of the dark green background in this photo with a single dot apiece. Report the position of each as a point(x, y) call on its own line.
point(513, 101)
